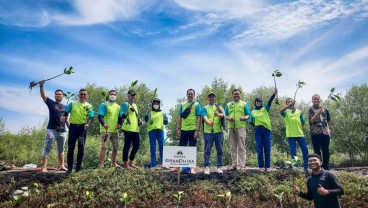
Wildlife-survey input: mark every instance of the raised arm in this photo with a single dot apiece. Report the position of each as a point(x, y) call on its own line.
point(271, 98)
point(42, 91)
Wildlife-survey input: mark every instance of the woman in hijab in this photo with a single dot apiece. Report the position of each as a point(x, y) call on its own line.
point(260, 119)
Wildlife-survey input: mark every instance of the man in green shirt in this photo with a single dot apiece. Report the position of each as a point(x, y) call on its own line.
point(108, 114)
point(189, 121)
point(81, 115)
point(237, 113)
point(212, 115)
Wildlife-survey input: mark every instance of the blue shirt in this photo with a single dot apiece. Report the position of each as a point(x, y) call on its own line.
point(56, 110)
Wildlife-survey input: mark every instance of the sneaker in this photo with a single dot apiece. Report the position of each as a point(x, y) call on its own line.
point(219, 170)
point(207, 170)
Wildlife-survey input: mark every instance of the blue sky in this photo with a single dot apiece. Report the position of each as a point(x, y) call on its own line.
point(174, 45)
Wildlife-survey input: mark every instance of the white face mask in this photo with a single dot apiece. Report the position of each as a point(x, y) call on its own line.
point(112, 97)
point(156, 107)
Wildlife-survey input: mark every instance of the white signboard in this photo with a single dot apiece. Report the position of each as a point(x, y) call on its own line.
point(178, 156)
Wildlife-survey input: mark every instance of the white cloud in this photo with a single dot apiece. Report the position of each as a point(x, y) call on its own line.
point(235, 7)
point(18, 99)
point(90, 12)
point(257, 23)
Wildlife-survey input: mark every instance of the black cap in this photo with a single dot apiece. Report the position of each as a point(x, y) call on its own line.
point(315, 155)
point(259, 99)
point(131, 92)
point(211, 94)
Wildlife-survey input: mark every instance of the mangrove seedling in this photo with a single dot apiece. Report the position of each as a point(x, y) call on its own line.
point(68, 96)
point(105, 96)
point(178, 197)
point(66, 71)
point(332, 96)
point(299, 85)
point(89, 195)
point(227, 198)
point(280, 197)
point(125, 198)
point(275, 74)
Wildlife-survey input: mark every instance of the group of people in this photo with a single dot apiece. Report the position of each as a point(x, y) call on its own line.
point(78, 115)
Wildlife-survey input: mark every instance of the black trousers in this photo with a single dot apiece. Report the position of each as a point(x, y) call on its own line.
point(76, 133)
point(131, 138)
point(322, 142)
point(187, 137)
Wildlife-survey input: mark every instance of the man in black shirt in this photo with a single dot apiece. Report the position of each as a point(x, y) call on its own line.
point(55, 127)
point(323, 186)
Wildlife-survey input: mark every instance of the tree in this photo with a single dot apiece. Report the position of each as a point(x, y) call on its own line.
point(349, 129)
point(3, 129)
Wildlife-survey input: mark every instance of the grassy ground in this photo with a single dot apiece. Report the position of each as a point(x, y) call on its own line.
point(156, 188)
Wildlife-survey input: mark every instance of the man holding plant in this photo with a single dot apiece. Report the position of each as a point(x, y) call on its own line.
point(212, 115)
point(319, 119)
point(323, 187)
point(55, 127)
point(295, 121)
point(108, 114)
point(79, 121)
point(237, 113)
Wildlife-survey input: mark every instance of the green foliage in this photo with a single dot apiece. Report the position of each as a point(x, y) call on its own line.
point(227, 198)
point(68, 96)
point(3, 129)
point(178, 197)
point(277, 73)
point(349, 129)
point(25, 146)
point(299, 85)
point(116, 188)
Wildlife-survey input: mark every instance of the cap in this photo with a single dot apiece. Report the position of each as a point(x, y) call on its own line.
point(259, 99)
point(211, 93)
point(131, 92)
point(156, 100)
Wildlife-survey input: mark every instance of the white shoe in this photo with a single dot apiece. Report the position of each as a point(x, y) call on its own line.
point(219, 170)
point(207, 170)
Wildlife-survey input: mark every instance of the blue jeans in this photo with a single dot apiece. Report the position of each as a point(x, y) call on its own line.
point(154, 135)
point(303, 146)
point(51, 136)
point(263, 143)
point(218, 138)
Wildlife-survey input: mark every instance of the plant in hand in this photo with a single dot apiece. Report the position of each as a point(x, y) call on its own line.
point(332, 96)
point(275, 74)
point(66, 71)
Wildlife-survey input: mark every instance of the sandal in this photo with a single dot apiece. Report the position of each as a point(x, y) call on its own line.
point(63, 169)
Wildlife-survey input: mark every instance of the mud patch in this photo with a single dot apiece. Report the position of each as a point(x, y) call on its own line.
point(11, 181)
